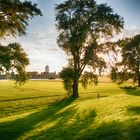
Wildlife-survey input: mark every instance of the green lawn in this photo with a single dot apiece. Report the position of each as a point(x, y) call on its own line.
point(38, 111)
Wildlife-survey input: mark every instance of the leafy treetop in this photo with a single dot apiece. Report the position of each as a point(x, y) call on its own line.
point(14, 16)
point(81, 25)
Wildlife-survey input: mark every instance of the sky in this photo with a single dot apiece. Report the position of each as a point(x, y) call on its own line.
point(40, 41)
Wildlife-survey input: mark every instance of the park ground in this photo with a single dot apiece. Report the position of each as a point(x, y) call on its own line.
point(40, 110)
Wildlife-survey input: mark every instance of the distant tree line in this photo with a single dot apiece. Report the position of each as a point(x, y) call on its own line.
point(81, 25)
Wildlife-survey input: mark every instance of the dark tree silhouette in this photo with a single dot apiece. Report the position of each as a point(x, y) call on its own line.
point(14, 59)
point(81, 24)
point(129, 67)
point(14, 18)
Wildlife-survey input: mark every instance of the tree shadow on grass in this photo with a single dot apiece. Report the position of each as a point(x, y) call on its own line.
point(68, 123)
point(134, 123)
point(69, 127)
point(134, 110)
point(82, 128)
point(134, 131)
point(115, 130)
point(85, 130)
point(13, 129)
point(63, 116)
point(132, 91)
point(106, 131)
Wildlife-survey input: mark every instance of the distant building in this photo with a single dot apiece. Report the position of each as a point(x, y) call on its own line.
point(47, 69)
point(34, 75)
point(52, 75)
point(44, 75)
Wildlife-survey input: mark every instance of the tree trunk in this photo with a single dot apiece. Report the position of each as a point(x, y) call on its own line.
point(76, 75)
point(138, 74)
point(138, 79)
point(75, 89)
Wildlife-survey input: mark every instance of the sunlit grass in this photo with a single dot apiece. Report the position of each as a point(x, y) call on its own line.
point(37, 111)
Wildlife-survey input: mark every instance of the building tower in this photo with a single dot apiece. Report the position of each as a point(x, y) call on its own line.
point(47, 69)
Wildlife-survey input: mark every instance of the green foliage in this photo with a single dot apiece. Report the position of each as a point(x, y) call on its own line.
point(121, 76)
point(129, 67)
point(113, 74)
point(14, 16)
point(22, 77)
point(13, 58)
point(81, 24)
point(88, 78)
point(67, 76)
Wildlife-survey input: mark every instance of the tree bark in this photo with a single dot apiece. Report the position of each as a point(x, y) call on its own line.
point(76, 75)
point(138, 79)
point(138, 74)
point(75, 89)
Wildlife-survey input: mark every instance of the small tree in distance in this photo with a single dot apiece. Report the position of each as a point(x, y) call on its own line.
point(81, 24)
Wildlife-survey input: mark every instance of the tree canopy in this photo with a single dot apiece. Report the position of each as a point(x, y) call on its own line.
point(129, 67)
point(14, 59)
point(14, 18)
point(81, 25)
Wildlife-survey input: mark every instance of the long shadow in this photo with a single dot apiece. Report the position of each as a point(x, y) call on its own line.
point(13, 129)
point(69, 127)
point(30, 98)
point(134, 128)
point(106, 131)
point(83, 129)
point(114, 130)
point(69, 124)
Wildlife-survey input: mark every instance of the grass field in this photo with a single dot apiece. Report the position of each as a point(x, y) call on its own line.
point(38, 111)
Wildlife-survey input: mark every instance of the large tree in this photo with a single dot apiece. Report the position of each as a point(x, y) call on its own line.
point(129, 67)
point(81, 25)
point(14, 18)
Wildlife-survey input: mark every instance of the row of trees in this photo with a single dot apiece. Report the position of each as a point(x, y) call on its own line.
point(82, 24)
point(14, 17)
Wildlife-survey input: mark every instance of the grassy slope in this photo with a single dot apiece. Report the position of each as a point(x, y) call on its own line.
point(35, 111)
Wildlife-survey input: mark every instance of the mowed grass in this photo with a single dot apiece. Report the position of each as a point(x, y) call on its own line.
point(35, 94)
point(39, 110)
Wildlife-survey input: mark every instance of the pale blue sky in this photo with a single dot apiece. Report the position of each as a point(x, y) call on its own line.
point(40, 42)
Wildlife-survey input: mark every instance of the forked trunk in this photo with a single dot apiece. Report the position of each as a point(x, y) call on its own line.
point(75, 89)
